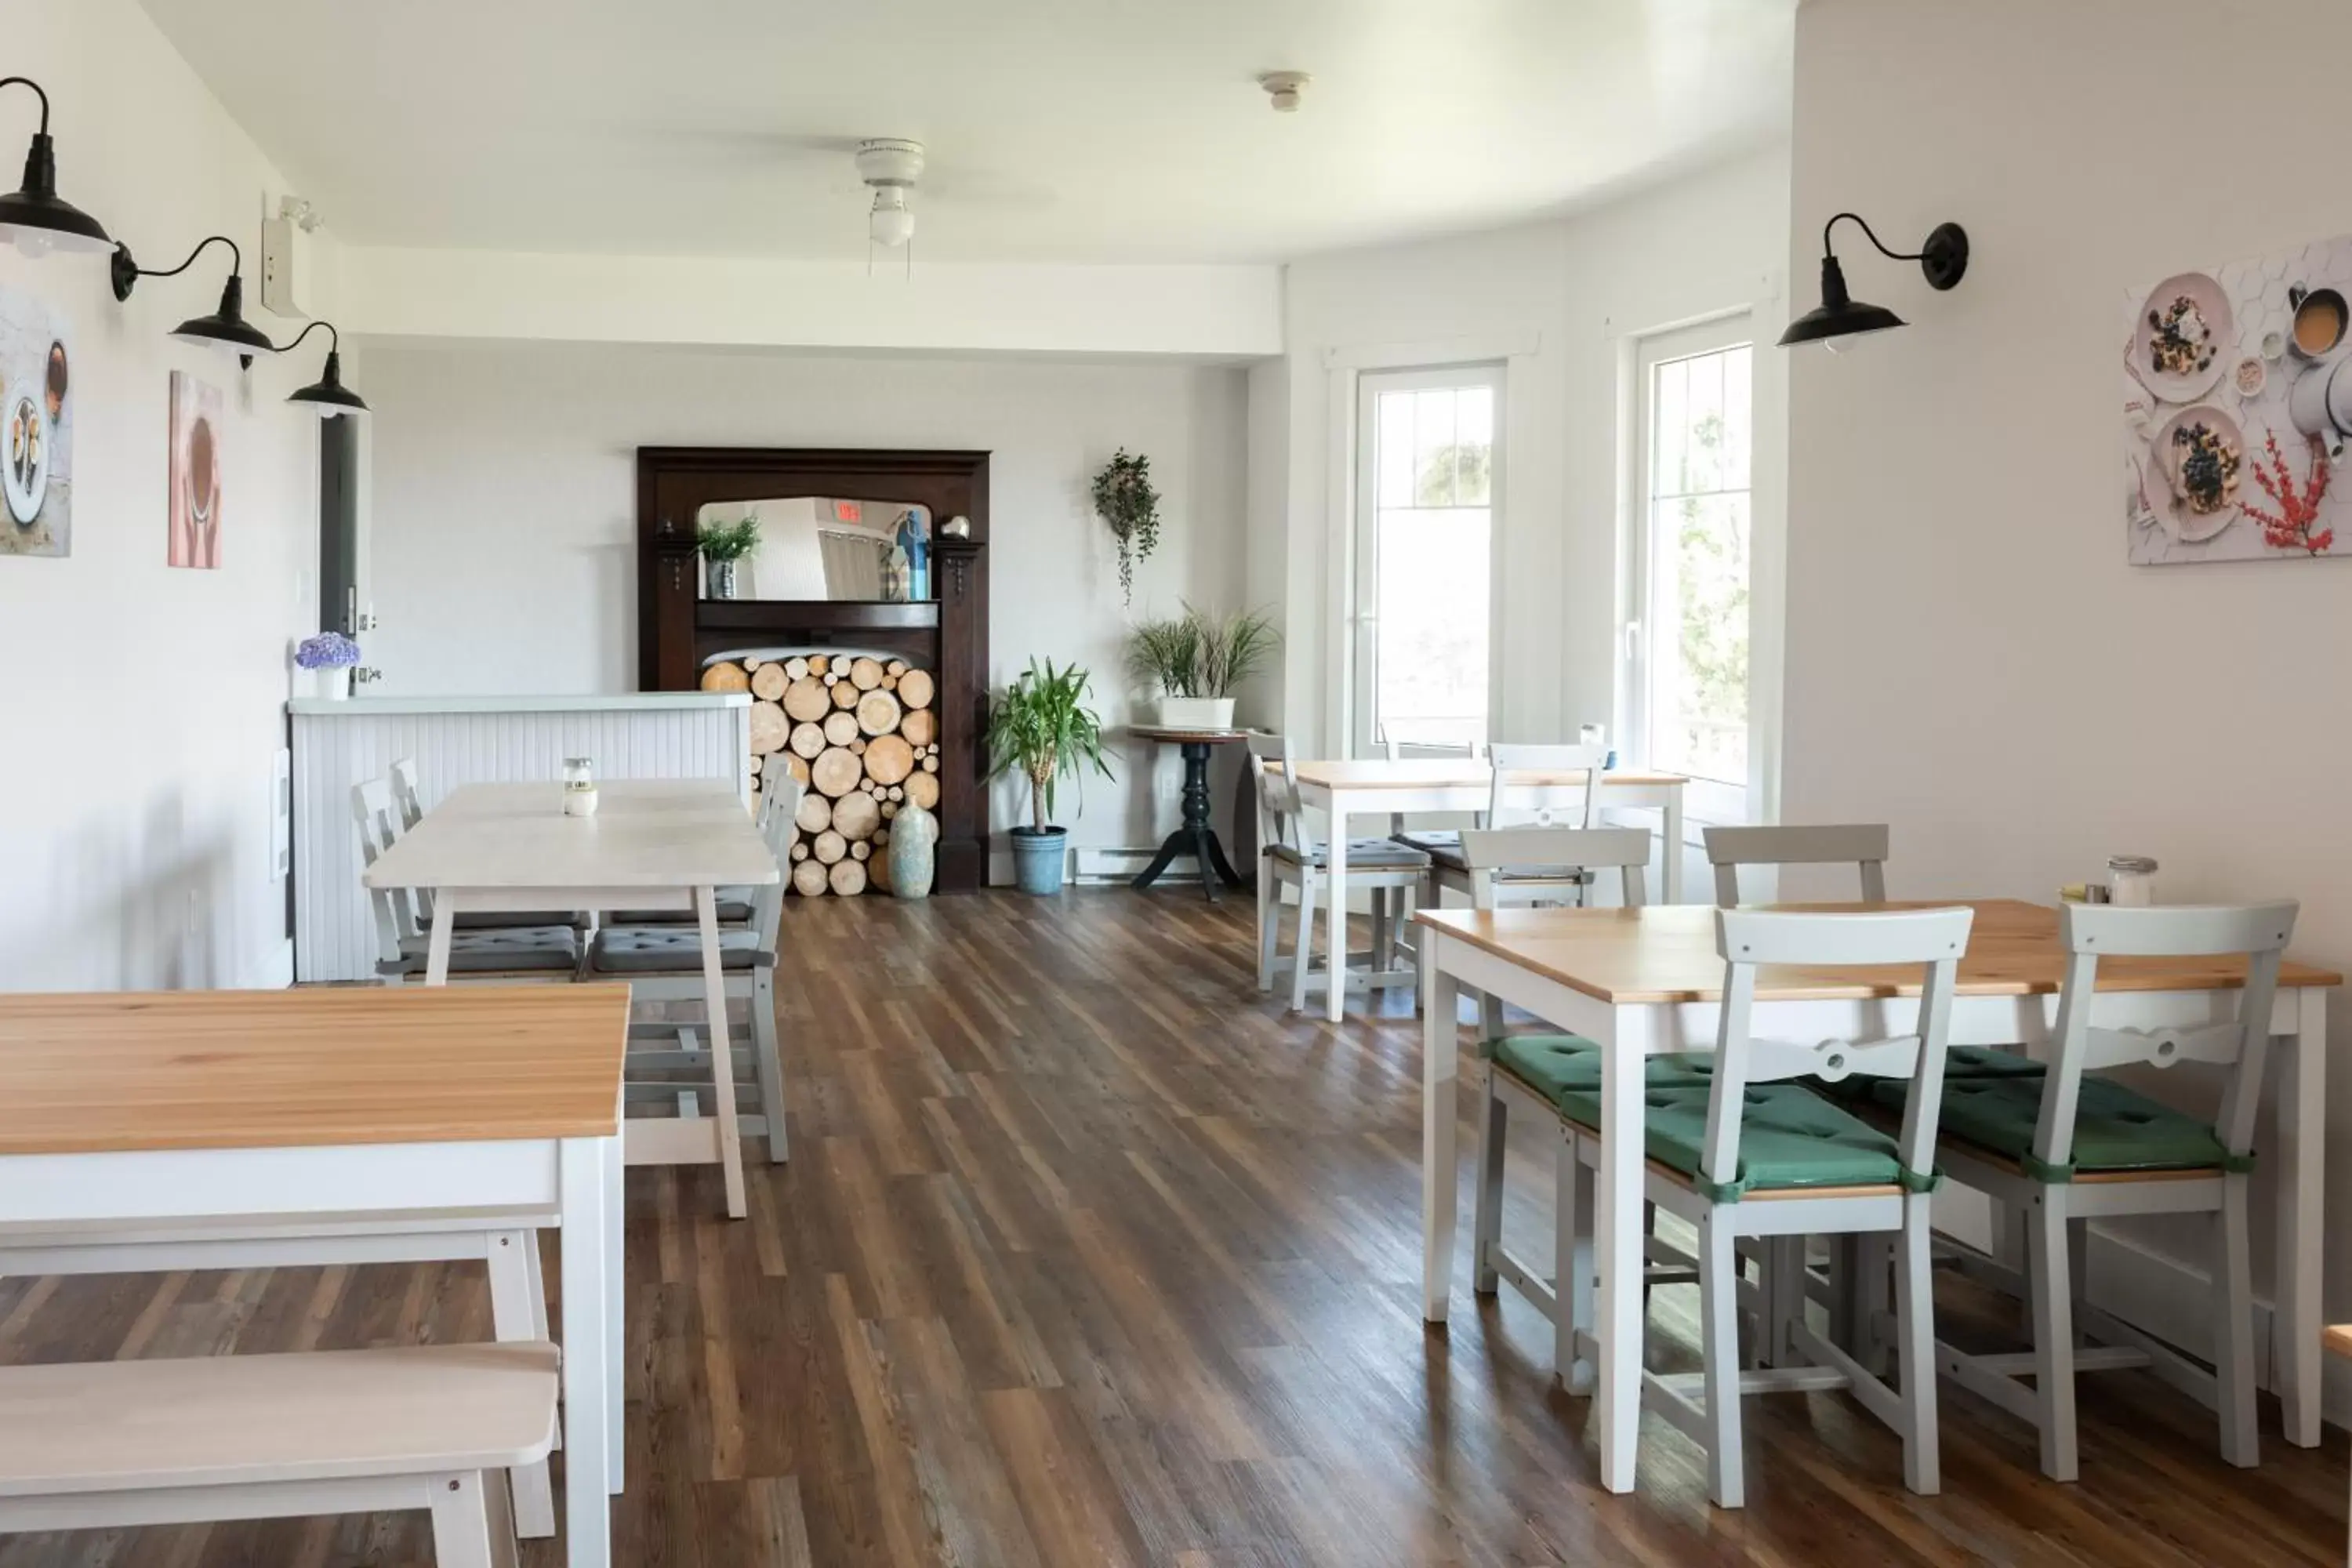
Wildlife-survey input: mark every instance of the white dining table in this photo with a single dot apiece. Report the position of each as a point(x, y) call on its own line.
point(120, 1107)
point(1381, 788)
point(1639, 981)
point(652, 843)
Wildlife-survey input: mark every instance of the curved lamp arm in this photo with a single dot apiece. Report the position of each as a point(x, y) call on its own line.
point(1944, 257)
point(37, 92)
point(334, 339)
point(127, 271)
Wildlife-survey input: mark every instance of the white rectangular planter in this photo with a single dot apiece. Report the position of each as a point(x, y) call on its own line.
point(1195, 713)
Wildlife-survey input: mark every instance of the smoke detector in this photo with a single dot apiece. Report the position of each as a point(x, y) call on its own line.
point(1283, 89)
point(891, 165)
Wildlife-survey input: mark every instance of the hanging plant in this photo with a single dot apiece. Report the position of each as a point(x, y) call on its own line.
point(1124, 495)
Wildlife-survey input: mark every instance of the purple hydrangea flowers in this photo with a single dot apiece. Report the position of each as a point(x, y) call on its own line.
point(328, 650)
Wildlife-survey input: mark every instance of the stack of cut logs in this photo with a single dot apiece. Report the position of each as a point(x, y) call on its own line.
point(861, 733)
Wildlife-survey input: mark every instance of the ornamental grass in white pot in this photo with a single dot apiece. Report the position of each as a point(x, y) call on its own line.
point(1194, 662)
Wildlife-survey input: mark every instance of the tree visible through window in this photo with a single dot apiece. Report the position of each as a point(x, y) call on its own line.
point(1698, 564)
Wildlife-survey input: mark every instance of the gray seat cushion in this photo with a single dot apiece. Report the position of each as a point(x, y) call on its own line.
point(1430, 841)
point(736, 907)
point(1370, 854)
point(1448, 857)
point(501, 951)
point(671, 950)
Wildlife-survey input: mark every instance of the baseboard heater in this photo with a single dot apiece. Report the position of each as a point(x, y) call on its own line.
point(1100, 867)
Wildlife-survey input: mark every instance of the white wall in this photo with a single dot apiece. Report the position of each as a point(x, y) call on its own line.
point(1564, 299)
point(1970, 657)
point(505, 505)
point(142, 707)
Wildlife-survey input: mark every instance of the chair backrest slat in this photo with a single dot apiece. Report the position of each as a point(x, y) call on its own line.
point(1861, 844)
point(779, 816)
point(1279, 808)
point(2091, 932)
point(373, 813)
point(1626, 850)
point(1510, 760)
point(1933, 940)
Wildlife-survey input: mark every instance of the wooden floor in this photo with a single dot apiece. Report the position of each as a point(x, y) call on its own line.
point(1086, 1254)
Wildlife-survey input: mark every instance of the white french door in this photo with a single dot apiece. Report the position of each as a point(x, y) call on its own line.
point(1428, 486)
point(1687, 677)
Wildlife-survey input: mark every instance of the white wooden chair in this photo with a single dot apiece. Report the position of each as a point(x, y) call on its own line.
point(664, 962)
point(506, 1241)
point(1389, 870)
point(512, 952)
point(1862, 845)
point(91, 1445)
point(1508, 806)
point(1739, 1150)
point(1398, 751)
point(2067, 1145)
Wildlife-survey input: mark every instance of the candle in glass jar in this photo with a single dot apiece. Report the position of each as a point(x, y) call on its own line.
point(2131, 880)
point(579, 787)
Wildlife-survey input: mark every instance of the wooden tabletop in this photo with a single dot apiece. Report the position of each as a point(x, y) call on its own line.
point(647, 833)
point(2338, 1339)
point(1453, 772)
point(96, 1072)
point(1666, 953)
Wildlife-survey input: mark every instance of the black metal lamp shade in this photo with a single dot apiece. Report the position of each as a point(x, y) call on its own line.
point(35, 218)
point(328, 397)
point(1944, 259)
point(227, 328)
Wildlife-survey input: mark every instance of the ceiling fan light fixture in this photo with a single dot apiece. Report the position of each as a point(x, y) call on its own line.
point(891, 223)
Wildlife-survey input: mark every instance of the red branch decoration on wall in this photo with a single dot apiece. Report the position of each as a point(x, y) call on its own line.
point(2290, 528)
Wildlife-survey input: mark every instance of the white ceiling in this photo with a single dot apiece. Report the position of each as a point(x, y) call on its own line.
point(1069, 130)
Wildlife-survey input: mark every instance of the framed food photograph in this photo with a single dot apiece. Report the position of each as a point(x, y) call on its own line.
point(2237, 409)
point(36, 421)
point(194, 473)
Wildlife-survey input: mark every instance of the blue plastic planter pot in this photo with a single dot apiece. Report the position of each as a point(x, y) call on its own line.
point(1038, 858)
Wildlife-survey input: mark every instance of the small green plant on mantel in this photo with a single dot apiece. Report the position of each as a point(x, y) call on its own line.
point(727, 541)
point(1040, 724)
point(1125, 498)
point(1200, 655)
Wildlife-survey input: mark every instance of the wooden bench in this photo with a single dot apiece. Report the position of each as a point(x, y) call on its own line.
point(94, 1445)
point(506, 1239)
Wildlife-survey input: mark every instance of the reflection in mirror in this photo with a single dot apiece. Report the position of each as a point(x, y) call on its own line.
point(825, 547)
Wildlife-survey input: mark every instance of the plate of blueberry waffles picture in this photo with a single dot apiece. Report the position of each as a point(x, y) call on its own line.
point(2196, 463)
point(2184, 338)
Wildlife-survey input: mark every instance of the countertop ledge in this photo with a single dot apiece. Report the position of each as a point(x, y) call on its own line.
point(627, 701)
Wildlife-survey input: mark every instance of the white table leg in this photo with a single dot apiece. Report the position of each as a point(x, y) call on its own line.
point(615, 1320)
point(1618, 1255)
point(1671, 873)
point(723, 1058)
point(1440, 1063)
point(1336, 999)
point(445, 922)
point(2302, 1144)
point(589, 1250)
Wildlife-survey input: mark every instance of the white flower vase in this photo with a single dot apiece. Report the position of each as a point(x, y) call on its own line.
point(334, 683)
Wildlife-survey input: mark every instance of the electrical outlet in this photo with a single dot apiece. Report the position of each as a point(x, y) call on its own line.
point(1170, 786)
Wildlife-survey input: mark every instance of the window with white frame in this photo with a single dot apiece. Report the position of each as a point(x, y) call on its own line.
point(1688, 648)
point(1428, 472)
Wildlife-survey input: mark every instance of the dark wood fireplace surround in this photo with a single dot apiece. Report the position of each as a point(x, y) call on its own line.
point(678, 628)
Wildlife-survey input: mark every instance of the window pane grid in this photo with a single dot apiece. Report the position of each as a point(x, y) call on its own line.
point(1698, 564)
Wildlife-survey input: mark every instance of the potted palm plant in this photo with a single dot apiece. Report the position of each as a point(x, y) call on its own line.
point(1196, 661)
point(1042, 725)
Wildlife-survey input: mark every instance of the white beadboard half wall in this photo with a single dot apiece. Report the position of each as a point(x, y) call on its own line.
point(471, 740)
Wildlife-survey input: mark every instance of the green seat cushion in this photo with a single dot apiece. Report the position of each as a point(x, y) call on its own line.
point(2114, 1129)
point(1789, 1137)
point(1984, 1061)
point(1554, 1065)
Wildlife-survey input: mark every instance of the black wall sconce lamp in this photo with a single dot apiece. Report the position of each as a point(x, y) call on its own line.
point(35, 218)
point(327, 398)
point(1944, 259)
point(225, 328)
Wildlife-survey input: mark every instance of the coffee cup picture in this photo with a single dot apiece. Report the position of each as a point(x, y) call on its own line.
point(2320, 319)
